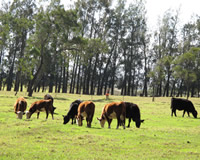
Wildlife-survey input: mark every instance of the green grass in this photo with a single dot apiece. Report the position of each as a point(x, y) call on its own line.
point(160, 136)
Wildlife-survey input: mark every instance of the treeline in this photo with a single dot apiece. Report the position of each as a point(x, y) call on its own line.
point(94, 46)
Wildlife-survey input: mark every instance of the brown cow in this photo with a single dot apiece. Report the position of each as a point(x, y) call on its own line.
point(85, 109)
point(20, 106)
point(41, 105)
point(111, 111)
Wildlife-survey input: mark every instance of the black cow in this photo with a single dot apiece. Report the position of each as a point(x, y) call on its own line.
point(73, 111)
point(48, 96)
point(183, 104)
point(133, 112)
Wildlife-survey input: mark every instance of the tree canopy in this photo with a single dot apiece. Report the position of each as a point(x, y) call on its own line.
point(92, 47)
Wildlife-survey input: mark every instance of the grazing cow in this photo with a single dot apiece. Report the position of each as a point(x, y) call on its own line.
point(133, 112)
point(111, 111)
point(41, 105)
point(183, 104)
point(85, 109)
point(72, 113)
point(20, 106)
point(48, 96)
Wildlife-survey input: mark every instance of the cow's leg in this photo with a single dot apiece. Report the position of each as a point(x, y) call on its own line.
point(47, 114)
point(129, 121)
point(183, 113)
point(72, 119)
point(38, 115)
point(109, 122)
point(174, 111)
point(118, 122)
point(124, 120)
point(88, 122)
point(52, 114)
point(188, 113)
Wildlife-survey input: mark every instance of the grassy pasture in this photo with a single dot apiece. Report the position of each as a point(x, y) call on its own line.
point(160, 136)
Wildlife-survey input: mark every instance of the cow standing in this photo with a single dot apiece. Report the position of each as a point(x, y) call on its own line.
point(72, 113)
point(20, 106)
point(48, 96)
point(41, 105)
point(182, 104)
point(133, 112)
point(85, 109)
point(111, 111)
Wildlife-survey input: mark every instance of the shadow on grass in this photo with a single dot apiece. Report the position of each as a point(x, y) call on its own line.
point(39, 98)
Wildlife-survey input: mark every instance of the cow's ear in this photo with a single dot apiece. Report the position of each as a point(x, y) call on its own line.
point(63, 116)
point(142, 121)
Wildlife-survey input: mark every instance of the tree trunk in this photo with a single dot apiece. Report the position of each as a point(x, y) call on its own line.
point(10, 75)
point(78, 80)
point(51, 80)
point(73, 75)
point(64, 79)
point(37, 76)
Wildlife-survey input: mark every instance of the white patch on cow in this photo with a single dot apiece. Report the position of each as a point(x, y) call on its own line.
point(41, 110)
point(122, 117)
point(84, 114)
point(102, 122)
point(19, 114)
point(79, 121)
point(27, 114)
point(112, 115)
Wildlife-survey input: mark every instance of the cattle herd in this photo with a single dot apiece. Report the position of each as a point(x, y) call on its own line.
point(80, 110)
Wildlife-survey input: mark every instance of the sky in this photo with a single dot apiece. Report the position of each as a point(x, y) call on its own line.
point(156, 8)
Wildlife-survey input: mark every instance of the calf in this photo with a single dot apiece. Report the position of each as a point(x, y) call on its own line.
point(183, 104)
point(133, 112)
point(111, 111)
point(72, 113)
point(41, 105)
point(85, 109)
point(20, 106)
point(48, 96)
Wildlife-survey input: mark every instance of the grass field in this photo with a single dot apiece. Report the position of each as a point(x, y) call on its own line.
point(159, 137)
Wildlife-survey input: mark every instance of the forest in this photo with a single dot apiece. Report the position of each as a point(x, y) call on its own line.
point(93, 46)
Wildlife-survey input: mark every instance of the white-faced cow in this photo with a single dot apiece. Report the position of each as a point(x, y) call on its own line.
point(85, 109)
point(20, 106)
point(111, 111)
point(133, 112)
point(41, 105)
point(182, 104)
point(72, 113)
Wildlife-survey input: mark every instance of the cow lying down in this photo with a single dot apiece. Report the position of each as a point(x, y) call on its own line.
point(183, 104)
point(39, 106)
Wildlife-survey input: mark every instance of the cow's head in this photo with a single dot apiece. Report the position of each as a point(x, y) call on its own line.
point(102, 121)
point(79, 120)
point(66, 119)
point(20, 114)
point(138, 123)
point(194, 113)
point(28, 115)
